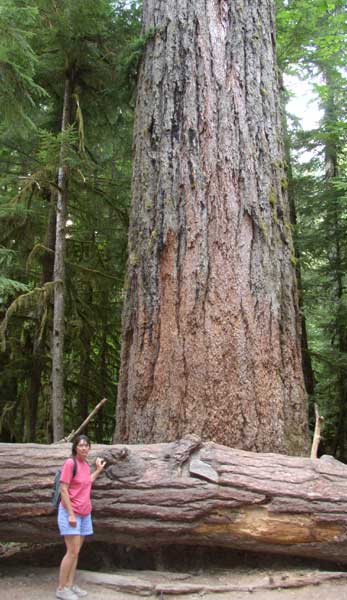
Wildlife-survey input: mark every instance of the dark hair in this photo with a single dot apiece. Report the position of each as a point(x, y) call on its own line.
point(76, 441)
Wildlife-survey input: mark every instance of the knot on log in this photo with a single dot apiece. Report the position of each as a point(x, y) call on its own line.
point(184, 448)
point(113, 457)
point(116, 454)
point(122, 464)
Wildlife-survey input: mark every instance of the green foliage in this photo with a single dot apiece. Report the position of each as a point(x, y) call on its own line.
point(313, 40)
point(18, 89)
point(87, 40)
point(98, 44)
point(9, 287)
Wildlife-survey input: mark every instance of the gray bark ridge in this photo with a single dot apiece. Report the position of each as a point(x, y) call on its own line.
point(189, 492)
point(211, 332)
point(58, 333)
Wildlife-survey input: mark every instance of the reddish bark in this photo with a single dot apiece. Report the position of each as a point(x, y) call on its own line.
point(211, 333)
point(186, 492)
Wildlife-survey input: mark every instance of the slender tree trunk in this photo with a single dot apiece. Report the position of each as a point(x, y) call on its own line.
point(100, 417)
point(59, 279)
point(84, 378)
point(305, 353)
point(341, 337)
point(340, 446)
point(10, 399)
point(32, 397)
point(85, 381)
point(211, 331)
point(336, 253)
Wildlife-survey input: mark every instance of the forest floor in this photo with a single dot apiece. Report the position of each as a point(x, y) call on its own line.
point(34, 583)
point(262, 580)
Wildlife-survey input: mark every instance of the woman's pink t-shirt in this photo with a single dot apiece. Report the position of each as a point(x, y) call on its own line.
point(79, 486)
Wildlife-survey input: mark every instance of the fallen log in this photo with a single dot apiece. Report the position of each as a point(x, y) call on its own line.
point(186, 492)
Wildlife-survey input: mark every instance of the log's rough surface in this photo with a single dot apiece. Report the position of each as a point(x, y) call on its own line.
point(186, 492)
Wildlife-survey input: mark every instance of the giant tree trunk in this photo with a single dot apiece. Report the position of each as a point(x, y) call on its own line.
point(59, 280)
point(211, 335)
point(186, 492)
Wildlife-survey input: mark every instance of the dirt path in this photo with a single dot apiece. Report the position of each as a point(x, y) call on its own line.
point(30, 583)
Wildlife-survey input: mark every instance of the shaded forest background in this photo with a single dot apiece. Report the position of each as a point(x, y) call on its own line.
point(100, 44)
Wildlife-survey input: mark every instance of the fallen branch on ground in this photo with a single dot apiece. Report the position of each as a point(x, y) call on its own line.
point(145, 587)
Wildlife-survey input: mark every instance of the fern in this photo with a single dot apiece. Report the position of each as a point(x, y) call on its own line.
point(8, 287)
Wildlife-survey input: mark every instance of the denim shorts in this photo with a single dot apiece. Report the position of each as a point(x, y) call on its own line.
point(84, 524)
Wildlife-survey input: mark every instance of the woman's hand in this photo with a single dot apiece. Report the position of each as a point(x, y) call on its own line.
point(100, 464)
point(72, 520)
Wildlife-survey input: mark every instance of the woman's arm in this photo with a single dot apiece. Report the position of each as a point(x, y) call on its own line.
point(100, 464)
point(64, 491)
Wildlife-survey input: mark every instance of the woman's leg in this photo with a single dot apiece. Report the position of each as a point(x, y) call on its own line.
point(68, 564)
point(71, 575)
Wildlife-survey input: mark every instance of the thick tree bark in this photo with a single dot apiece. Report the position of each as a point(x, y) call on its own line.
point(187, 492)
point(59, 280)
point(211, 333)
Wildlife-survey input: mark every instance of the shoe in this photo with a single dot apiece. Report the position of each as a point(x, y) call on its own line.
point(66, 594)
point(78, 591)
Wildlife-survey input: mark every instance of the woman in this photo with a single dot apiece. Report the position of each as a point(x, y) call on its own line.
point(74, 513)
